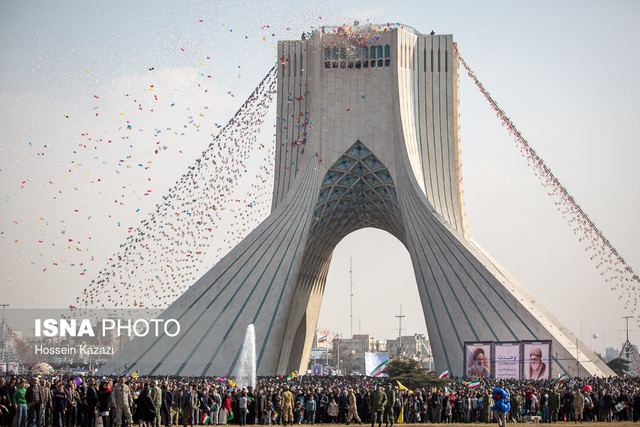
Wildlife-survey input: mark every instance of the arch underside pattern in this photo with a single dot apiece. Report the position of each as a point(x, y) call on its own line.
point(357, 192)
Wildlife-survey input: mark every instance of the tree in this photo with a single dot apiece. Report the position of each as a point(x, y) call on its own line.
point(620, 366)
point(409, 373)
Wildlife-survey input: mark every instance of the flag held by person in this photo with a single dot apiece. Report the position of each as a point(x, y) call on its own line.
point(375, 364)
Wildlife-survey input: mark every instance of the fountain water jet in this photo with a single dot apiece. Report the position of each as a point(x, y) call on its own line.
point(245, 372)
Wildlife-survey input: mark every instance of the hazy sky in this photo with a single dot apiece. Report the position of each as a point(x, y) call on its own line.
point(565, 72)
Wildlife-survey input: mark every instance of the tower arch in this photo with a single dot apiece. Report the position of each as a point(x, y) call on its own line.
point(356, 192)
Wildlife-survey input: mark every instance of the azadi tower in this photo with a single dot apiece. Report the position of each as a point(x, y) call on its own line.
point(367, 136)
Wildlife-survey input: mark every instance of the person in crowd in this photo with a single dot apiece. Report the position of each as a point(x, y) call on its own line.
point(122, 401)
point(167, 404)
point(188, 404)
point(35, 396)
point(226, 412)
point(310, 409)
point(90, 404)
point(59, 403)
point(516, 407)
point(260, 407)
point(343, 404)
point(485, 407)
point(242, 408)
point(104, 403)
point(298, 409)
point(156, 399)
point(529, 393)
point(377, 402)
point(388, 407)
point(501, 405)
point(287, 406)
point(544, 406)
point(332, 411)
point(567, 406)
point(20, 403)
point(352, 412)
point(554, 405)
point(578, 406)
point(145, 413)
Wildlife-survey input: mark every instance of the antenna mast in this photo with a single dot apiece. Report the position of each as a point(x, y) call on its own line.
point(351, 292)
point(626, 347)
point(400, 316)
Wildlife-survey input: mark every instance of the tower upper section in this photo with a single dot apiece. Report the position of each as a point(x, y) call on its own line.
point(391, 88)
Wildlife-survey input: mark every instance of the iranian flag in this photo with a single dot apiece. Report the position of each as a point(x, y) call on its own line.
point(322, 338)
point(336, 337)
point(375, 364)
point(445, 374)
point(473, 384)
point(562, 378)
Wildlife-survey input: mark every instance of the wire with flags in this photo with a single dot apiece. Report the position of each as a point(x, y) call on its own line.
point(612, 267)
point(426, 350)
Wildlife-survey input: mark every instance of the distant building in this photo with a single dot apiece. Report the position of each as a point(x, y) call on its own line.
point(611, 353)
point(352, 350)
point(408, 346)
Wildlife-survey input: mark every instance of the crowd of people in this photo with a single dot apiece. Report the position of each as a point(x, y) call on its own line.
point(153, 401)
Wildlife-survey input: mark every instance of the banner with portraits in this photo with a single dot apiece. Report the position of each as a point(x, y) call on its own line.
point(536, 356)
point(477, 360)
point(506, 360)
point(529, 360)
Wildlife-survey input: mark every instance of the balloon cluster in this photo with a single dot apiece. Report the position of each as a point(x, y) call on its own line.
point(164, 255)
point(608, 261)
point(360, 35)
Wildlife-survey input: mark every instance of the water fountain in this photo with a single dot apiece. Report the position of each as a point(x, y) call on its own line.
point(245, 372)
